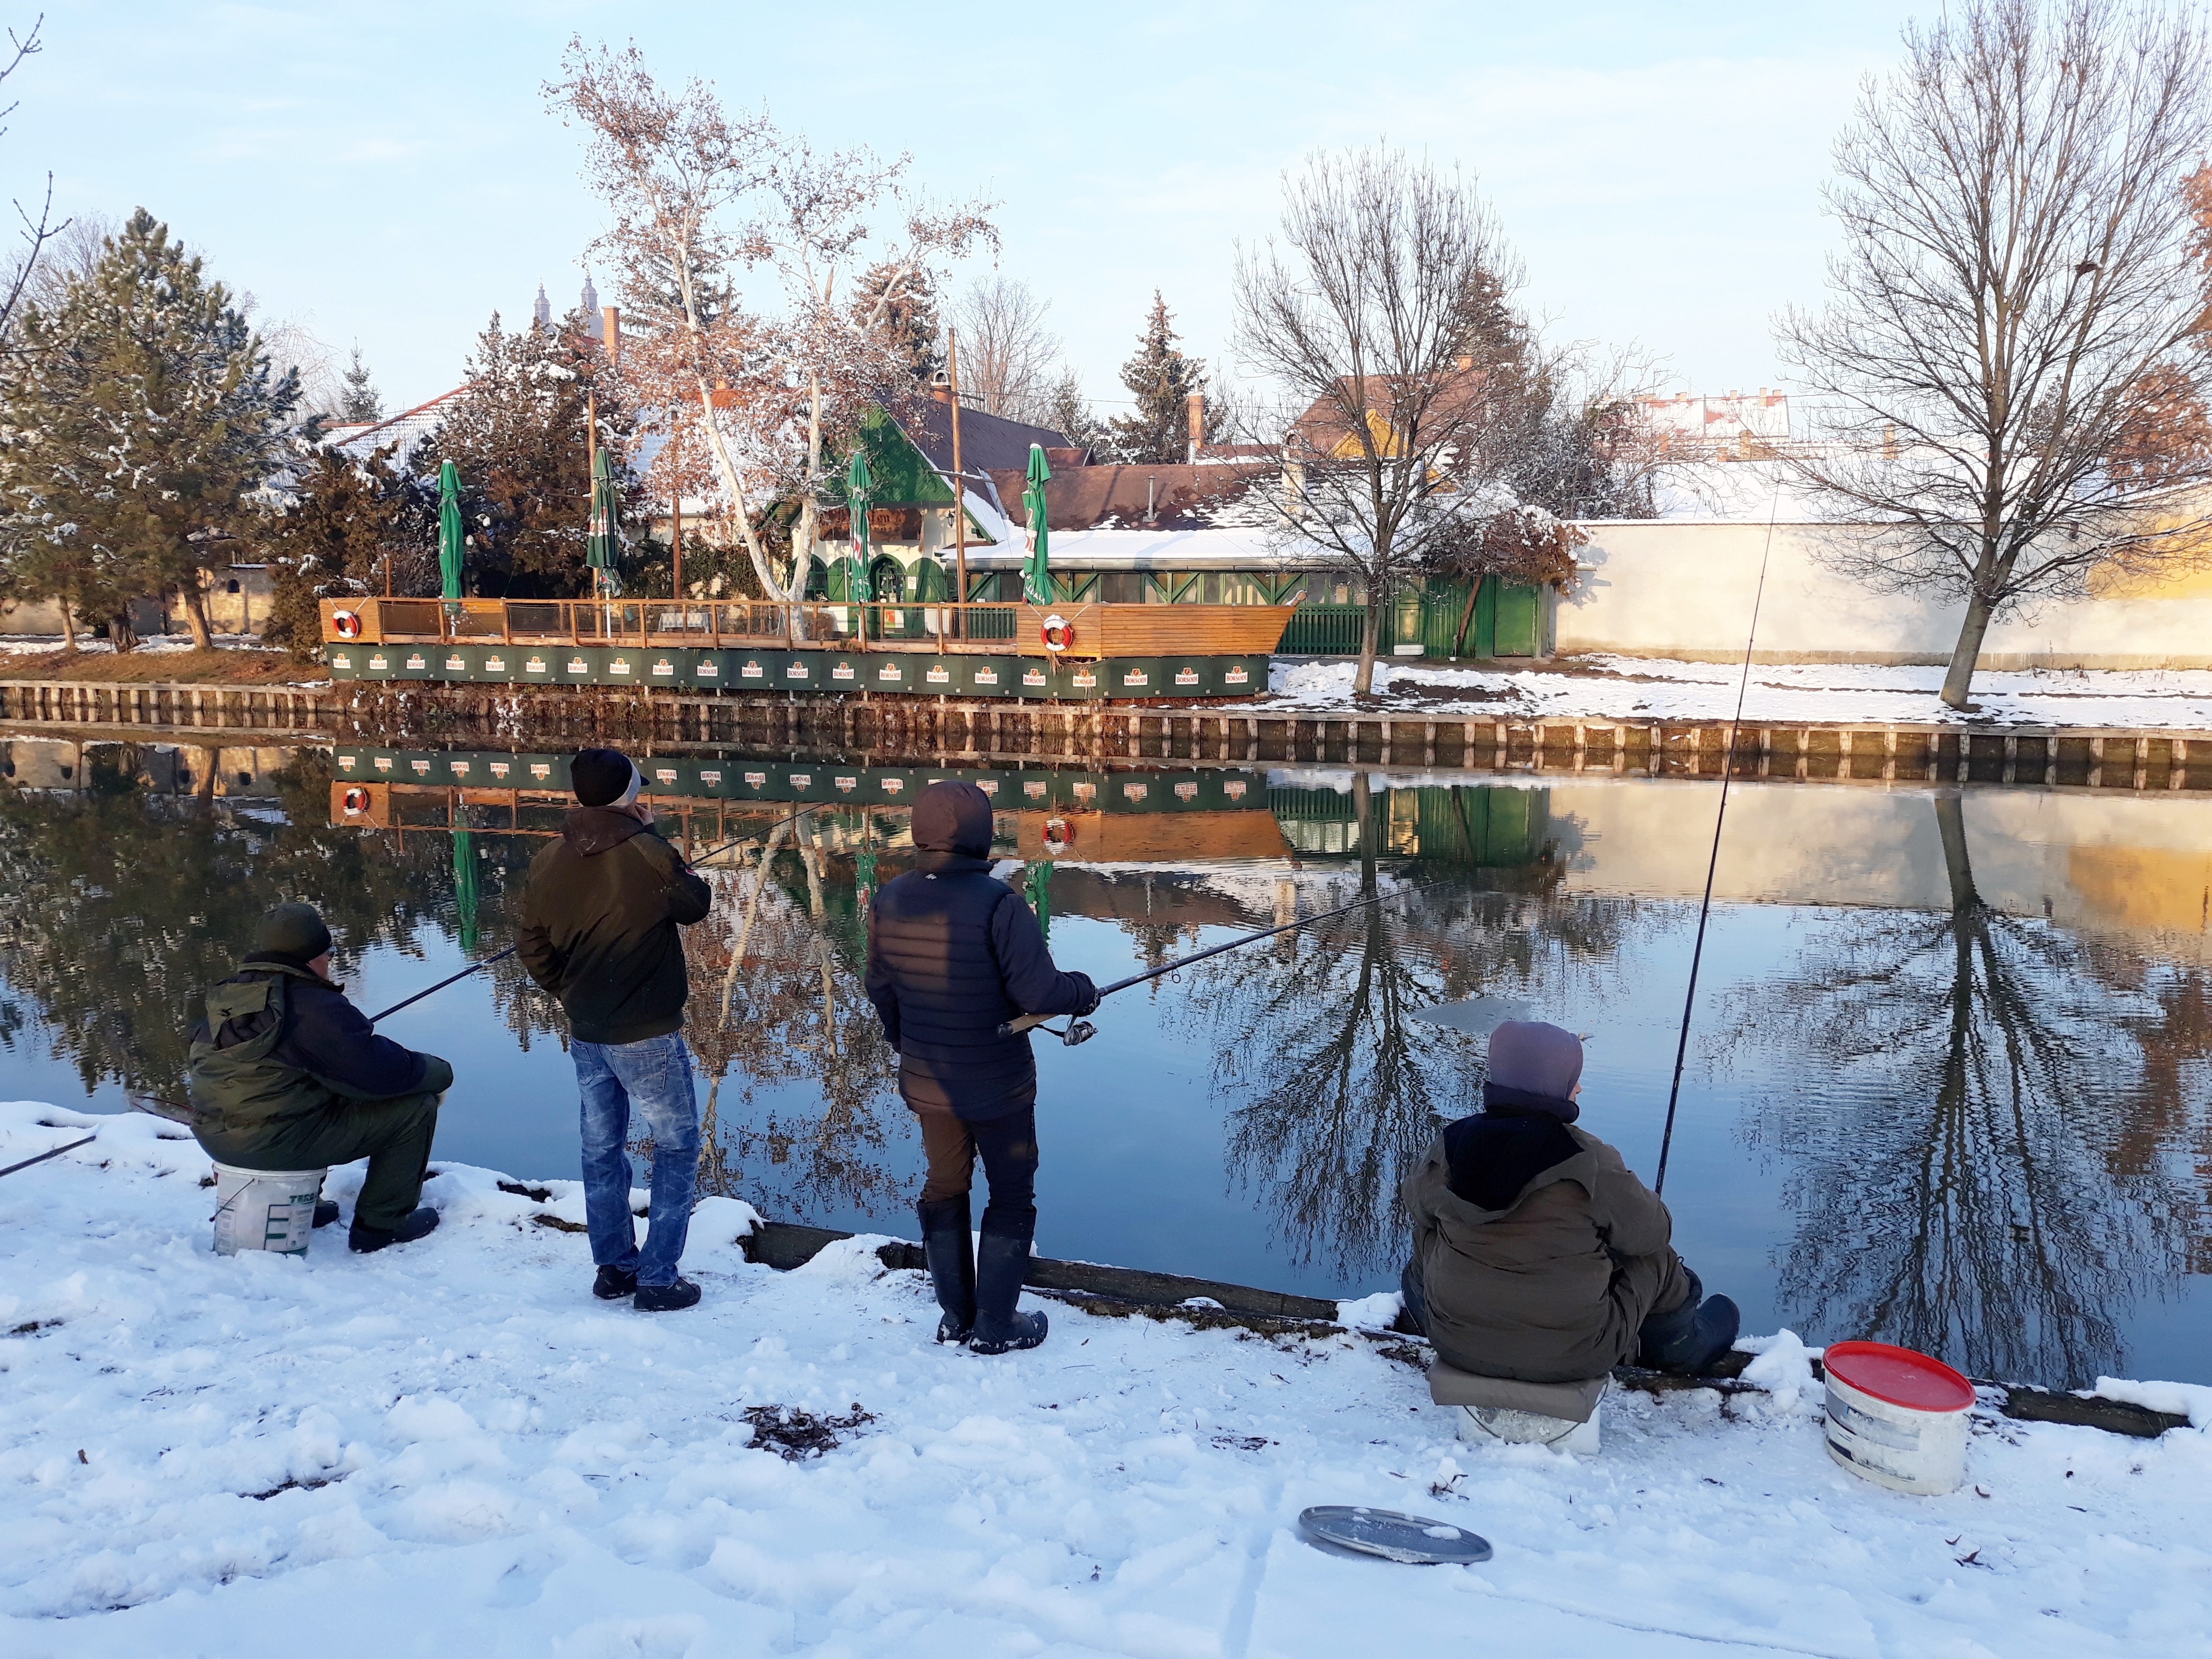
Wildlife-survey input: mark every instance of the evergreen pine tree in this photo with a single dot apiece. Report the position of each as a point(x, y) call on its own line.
point(345, 520)
point(911, 325)
point(1067, 412)
point(359, 401)
point(138, 422)
point(517, 436)
point(1161, 379)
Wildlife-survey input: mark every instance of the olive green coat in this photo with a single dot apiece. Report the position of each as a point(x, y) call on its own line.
point(1554, 1287)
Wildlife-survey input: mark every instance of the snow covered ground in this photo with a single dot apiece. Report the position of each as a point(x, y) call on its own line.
point(1608, 688)
point(39, 645)
point(450, 1448)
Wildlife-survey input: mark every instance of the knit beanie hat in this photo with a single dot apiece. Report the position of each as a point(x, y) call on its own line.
point(604, 777)
point(291, 934)
point(1535, 1058)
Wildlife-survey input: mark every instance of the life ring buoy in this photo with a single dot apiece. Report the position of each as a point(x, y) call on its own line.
point(357, 800)
point(1058, 633)
point(346, 624)
point(1058, 834)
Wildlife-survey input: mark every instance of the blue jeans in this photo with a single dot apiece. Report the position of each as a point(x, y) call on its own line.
point(654, 1078)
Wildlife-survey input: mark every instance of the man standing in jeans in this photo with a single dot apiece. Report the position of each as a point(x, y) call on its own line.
point(598, 930)
point(953, 954)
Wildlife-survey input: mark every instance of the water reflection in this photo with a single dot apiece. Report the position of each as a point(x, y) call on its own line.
point(1957, 1089)
point(1983, 1166)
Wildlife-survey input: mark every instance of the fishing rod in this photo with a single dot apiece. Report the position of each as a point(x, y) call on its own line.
point(477, 968)
point(1712, 863)
point(43, 1157)
point(1079, 1030)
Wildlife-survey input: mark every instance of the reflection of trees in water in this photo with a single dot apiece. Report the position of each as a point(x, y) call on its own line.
point(125, 905)
point(1995, 1183)
point(795, 1008)
point(1341, 1090)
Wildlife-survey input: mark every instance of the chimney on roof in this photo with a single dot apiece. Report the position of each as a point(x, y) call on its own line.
point(1196, 405)
point(610, 331)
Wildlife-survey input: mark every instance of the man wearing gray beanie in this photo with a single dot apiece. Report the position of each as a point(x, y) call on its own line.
point(286, 1074)
point(599, 930)
point(1538, 1255)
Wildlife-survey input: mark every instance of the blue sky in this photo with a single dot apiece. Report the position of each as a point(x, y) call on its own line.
point(388, 173)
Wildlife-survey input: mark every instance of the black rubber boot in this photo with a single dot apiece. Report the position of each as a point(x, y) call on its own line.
point(1002, 1262)
point(665, 1298)
point(614, 1283)
point(951, 1253)
point(327, 1211)
point(363, 1239)
point(1690, 1337)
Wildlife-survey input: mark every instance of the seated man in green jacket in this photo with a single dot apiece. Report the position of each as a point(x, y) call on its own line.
point(286, 1074)
point(1538, 1255)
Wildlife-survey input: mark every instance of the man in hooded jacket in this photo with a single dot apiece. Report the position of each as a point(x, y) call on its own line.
point(599, 929)
point(1538, 1255)
point(286, 1074)
point(954, 954)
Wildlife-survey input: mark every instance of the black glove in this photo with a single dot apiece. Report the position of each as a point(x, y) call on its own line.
point(1090, 997)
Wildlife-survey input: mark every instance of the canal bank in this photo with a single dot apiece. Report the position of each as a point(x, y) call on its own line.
point(2097, 758)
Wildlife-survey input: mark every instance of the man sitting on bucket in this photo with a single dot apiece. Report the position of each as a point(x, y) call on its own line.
point(1538, 1255)
point(288, 1075)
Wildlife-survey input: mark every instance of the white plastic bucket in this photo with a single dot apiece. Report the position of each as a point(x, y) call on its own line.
point(265, 1209)
point(1897, 1418)
point(1494, 1424)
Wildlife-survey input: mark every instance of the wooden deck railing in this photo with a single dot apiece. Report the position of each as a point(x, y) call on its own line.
point(998, 629)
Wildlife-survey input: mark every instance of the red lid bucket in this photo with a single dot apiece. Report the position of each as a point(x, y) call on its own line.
point(1897, 1418)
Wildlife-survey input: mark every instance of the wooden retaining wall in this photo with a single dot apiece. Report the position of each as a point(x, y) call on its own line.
point(1133, 1292)
point(1866, 752)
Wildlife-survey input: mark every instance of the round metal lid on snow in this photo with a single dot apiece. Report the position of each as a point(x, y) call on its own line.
point(1898, 1377)
point(1393, 1534)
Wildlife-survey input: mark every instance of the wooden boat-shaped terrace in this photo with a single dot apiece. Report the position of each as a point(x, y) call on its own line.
point(1074, 651)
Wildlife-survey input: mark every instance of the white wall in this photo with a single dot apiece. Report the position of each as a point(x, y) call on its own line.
point(1683, 589)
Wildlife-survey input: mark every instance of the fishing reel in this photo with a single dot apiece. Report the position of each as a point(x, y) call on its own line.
point(1074, 1033)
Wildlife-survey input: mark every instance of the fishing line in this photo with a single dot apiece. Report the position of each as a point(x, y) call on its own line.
point(477, 968)
point(43, 1157)
point(1712, 864)
point(1080, 1032)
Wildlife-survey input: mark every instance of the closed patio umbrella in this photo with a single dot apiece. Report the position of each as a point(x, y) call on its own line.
point(1037, 578)
point(600, 542)
point(450, 540)
point(859, 483)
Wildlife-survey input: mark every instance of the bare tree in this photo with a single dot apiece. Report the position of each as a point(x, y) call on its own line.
point(1373, 311)
point(824, 212)
point(1007, 356)
point(2013, 295)
point(671, 167)
point(36, 232)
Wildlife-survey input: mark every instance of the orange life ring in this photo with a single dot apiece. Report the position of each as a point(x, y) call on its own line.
point(346, 624)
point(1058, 834)
point(1058, 633)
point(356, 799)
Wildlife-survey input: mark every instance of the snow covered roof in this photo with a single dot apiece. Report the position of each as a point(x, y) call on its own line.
point(1718, 420)
point(1165, 548)
point(406, 430)
point(1176, 496)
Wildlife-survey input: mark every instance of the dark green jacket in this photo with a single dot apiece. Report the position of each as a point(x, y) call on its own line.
point(275, 1043)
point(598, 927)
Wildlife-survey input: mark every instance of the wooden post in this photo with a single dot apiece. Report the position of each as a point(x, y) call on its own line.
point(959, 490)
point(676, 553)
point(591, 468)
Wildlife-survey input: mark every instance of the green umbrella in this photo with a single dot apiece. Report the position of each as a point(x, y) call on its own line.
point(1038, 882)
point(858, 486)
point(1036, 580)
point(465, 887)
point(600, 542)
point(449, 530)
